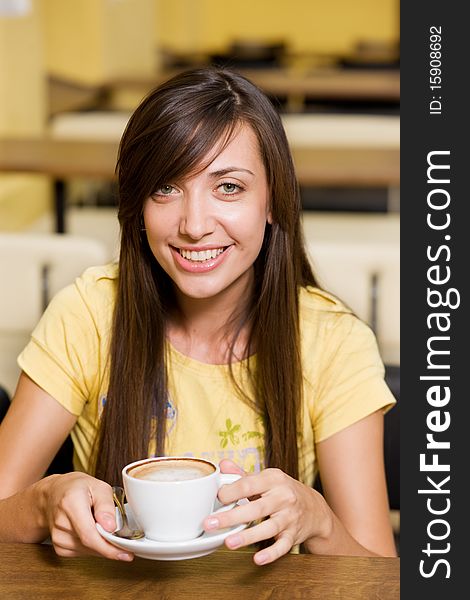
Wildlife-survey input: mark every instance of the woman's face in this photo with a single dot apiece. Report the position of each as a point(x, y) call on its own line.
point(207, 230)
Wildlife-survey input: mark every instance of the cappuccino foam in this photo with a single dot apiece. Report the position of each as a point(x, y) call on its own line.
point(172, 470)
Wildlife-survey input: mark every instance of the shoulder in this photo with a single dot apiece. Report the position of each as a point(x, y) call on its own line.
point(93, 292)
point(98, 277)
point(320, 309)
point(100, 281)
point(313, 299)
point(326, 324)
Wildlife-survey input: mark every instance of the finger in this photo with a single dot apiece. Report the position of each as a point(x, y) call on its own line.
point(75, 552)
point(245, 513)
point(66, 553)
point(228, 466)
point(106, 520)
point(252, 485)
point(67, 543)
point(263, 531)
point(83, 523)
point(103, 507)
point(280, 547)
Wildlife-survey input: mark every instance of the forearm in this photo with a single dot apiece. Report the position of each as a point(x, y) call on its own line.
point(333, 538)
point(23, 515)
point(337, 542)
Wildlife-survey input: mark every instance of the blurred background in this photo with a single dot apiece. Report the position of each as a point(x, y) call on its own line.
point(72, 71)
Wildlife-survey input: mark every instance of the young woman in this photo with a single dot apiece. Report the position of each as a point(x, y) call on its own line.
point(209, 338)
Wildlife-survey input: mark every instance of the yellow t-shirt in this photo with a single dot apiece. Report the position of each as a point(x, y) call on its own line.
point(343, 377)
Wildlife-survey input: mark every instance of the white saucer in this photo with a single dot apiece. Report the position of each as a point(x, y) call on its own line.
point(204, 544)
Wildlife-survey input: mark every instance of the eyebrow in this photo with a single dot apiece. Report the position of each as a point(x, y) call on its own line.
point(227, 170)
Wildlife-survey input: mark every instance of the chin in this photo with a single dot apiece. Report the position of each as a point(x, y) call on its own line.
point(199, 293)
point(206, 286)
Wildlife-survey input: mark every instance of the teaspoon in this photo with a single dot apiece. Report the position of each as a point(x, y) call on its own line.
point(125, 531)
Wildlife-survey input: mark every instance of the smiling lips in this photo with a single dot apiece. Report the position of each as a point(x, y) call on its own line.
point(200, 256)
point(200, 261)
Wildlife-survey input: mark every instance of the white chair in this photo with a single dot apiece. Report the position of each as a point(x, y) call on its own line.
point(357, 257)
point(90, 125)
point(33, 267)
point(342, 131)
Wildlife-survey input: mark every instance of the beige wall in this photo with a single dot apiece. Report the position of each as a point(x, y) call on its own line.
point(91, 41)
point(307, 25)
point(22, 85)
point(23, 113)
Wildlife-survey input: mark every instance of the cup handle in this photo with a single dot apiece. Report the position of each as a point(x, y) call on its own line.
point(226, 478)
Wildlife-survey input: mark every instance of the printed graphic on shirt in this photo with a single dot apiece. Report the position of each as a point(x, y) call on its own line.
point(230, 434)
point(171, 416)
point(233, 435)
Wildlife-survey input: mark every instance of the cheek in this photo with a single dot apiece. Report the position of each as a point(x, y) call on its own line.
point(247, 220)
point(256, 226)
point(250, 233)
point(158, 224)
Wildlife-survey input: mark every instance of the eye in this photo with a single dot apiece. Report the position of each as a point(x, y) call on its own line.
point(229, 188)
point(165, 190)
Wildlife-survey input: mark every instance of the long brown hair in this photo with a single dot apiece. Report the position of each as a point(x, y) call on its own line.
point(166, 138)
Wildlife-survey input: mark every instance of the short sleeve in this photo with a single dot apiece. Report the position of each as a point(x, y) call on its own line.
point(63, 353)
point(350, 382)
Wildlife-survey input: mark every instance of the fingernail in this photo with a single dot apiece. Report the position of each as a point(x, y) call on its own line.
point(126, 557)
point(212, 523)
point(261, 558)
point(107, 517)
point(234, 541)
point(107, 521)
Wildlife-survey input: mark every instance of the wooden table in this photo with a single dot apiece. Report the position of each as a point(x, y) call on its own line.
point(65, 95)
point(316, 166)
point(327, 85)
point(297, 85)
point(35, 571)
point(347, 166)
point(61, 160)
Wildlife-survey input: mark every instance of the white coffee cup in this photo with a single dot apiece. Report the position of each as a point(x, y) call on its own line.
point(171, 496)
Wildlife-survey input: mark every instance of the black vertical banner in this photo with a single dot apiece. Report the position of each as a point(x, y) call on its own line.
point(435, 249)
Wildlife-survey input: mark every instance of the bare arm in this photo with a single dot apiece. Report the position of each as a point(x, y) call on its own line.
point(353, 480)
point(62, 506)
point(31, 433)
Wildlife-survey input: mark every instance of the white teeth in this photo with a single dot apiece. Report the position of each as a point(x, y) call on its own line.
point(200, 256)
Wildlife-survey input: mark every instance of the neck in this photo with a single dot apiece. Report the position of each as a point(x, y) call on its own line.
point(203, 328)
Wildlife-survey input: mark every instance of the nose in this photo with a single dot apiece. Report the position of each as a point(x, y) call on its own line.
point(197, 219)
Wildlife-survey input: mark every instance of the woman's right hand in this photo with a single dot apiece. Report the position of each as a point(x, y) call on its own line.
point(72, 505)
point(65, 507)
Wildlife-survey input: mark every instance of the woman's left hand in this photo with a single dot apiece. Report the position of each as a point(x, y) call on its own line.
point(290, 512)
